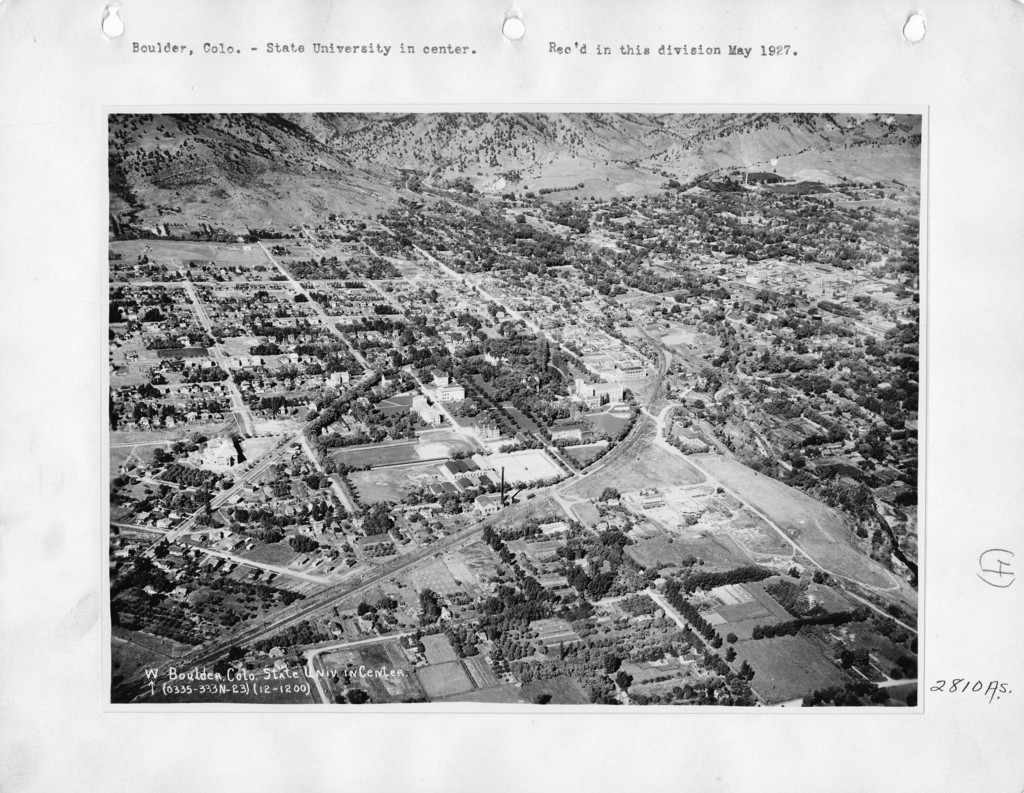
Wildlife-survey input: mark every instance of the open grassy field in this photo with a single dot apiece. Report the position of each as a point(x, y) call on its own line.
point(787, 667)
point(167, 648)
point(666, 551)
point(582, 455)
point(443, 680)
point(818, 529)
point(435, 576)
point(612, 422)
point(523, 422)
point(276, 553)
point(174, 255)
point(254, 448)
point(127, 657)
point(380, 454)
point(563, 691)
point(119, 457)
point(398, 404)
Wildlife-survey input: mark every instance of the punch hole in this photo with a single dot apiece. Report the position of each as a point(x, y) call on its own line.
point(513, 29)
point(112, 25)
point(914, 28)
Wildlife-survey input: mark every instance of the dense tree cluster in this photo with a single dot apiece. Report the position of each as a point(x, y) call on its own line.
point(792, 627)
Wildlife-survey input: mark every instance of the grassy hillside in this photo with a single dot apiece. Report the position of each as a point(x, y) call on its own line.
point(273, 170)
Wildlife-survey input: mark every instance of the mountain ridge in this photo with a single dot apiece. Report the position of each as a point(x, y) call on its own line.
point(289, 167)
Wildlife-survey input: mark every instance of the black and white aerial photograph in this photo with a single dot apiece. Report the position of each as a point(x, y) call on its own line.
point(522, 409)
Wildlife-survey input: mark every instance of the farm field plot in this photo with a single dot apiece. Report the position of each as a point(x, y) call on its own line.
point(821, 531)
point(742, 618)
point(391, 484)
point(757, 591)
point(508, 694)
point(787, 667)
point(443, 680)
point(740, 612)
point(481, 672)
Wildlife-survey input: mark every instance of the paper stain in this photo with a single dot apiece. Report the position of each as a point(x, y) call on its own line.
point(53, 541)
point(20, 763)
point(79, 620)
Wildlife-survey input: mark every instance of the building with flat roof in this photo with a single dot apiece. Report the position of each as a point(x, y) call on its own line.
point(596, 394)
point(630, 371)
point(450, 393)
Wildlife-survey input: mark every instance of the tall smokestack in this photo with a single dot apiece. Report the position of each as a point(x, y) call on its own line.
point(502, 491)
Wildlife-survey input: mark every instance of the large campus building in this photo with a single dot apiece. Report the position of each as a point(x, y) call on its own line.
point(596, 394)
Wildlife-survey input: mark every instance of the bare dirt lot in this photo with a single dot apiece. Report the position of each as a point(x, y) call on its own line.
point(392, 484)
point(819, 530)
point(655, 467)
point(667, 551)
